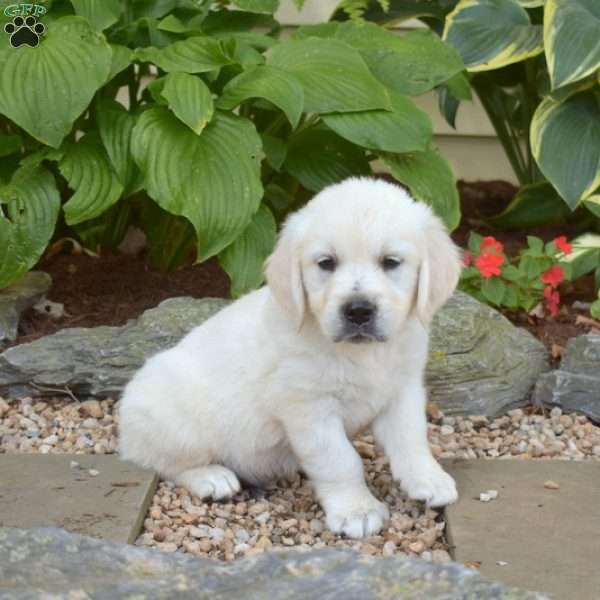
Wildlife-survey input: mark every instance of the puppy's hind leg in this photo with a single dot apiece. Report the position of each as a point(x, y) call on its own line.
point(210, 481)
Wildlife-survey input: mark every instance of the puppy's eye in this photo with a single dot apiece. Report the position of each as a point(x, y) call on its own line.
point(389, 263)
point(327, 263)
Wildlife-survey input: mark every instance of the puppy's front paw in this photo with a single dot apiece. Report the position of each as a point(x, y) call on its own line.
point(429, 483)
point(357, 519)
point(211, 481)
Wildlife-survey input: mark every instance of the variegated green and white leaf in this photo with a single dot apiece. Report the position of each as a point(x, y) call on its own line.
point(531, 3)
point(593, 204)
point(244, 259)
point(585, 255)
point(565, 139)
point(490, 34)
point(190, 99)
point(212, 179)
point(62, 75)
point(32, 202)
point(272, 84)
point(572, 39)
point(88, 172)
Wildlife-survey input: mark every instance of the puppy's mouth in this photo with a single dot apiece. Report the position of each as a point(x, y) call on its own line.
point(359, 336)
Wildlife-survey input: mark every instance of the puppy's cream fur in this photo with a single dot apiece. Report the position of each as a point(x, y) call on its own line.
point(261, 389)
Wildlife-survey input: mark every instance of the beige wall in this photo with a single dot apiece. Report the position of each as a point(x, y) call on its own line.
point(472, 149)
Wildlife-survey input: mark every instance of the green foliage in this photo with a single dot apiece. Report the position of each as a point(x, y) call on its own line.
point(193, 120)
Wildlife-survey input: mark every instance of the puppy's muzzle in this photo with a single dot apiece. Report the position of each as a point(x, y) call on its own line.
point(359, 317)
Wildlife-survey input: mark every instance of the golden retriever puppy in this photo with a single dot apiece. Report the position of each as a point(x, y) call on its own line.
point(283, 378)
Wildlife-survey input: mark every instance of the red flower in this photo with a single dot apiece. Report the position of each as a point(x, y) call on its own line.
point(489, 264)
point(562, 244)
point(467, 258)
point(552, 300)
point(490, 243)
point(553, 276)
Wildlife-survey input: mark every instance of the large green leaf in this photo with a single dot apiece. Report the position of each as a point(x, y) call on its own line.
point(536, 204)
point(44, 89)
point(101, 14)
point(190, 99)
point(490, 34)
point(334, 76)
point(194, 55)
point(87, 169)
point(403, 129)
point(29, 207)
point(121, 59)
point(271, 83)
point(572, 39)
point(430, 179)
point(258, 6)
point(565, 140)
point(115, 125)
point(212, 179)
point(318, 157)
point(244, 259)
point(412, 63)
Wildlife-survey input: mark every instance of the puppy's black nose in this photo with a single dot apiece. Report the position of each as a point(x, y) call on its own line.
point(358, 312)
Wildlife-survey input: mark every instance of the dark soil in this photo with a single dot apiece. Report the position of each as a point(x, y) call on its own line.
point(110, 290)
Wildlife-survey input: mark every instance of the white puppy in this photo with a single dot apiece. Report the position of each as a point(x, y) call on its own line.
point(282, 379)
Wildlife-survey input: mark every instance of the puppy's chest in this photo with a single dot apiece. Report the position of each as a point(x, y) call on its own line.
point(362, 392)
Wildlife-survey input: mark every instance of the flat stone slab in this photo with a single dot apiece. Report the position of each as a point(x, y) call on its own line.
point(49, 563)
point(549, 538)
point(43, 490)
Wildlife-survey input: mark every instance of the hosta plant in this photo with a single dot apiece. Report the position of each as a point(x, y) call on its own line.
point(195, 121)
point(531, 278)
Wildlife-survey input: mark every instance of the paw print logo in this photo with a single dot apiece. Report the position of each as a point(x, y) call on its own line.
point(25, 32)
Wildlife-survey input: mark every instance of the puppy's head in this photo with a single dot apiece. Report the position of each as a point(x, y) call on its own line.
point(360, 258)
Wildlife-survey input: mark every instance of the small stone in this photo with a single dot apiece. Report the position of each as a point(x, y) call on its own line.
point(4, 407)
point(417, 547)
point(74, 464)
point(263, 518)
point(287, 541)
point(551, 485)
point(493, 494)
point(446, 430)
point(501, 563)
point(93, 472)
point(484, 497)
point(90, 423)
point(389, 548)
point(91, 408)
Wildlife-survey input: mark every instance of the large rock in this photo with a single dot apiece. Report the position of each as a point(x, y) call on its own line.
point(52, 563)
point(17, 298)
point(575, 386)
point(479, 363)
point(99, 361)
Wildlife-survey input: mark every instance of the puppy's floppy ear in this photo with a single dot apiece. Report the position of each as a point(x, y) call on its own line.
point(439, 271)
point(284, 271)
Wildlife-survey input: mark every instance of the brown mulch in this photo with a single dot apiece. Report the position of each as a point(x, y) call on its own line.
point(112, 289)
